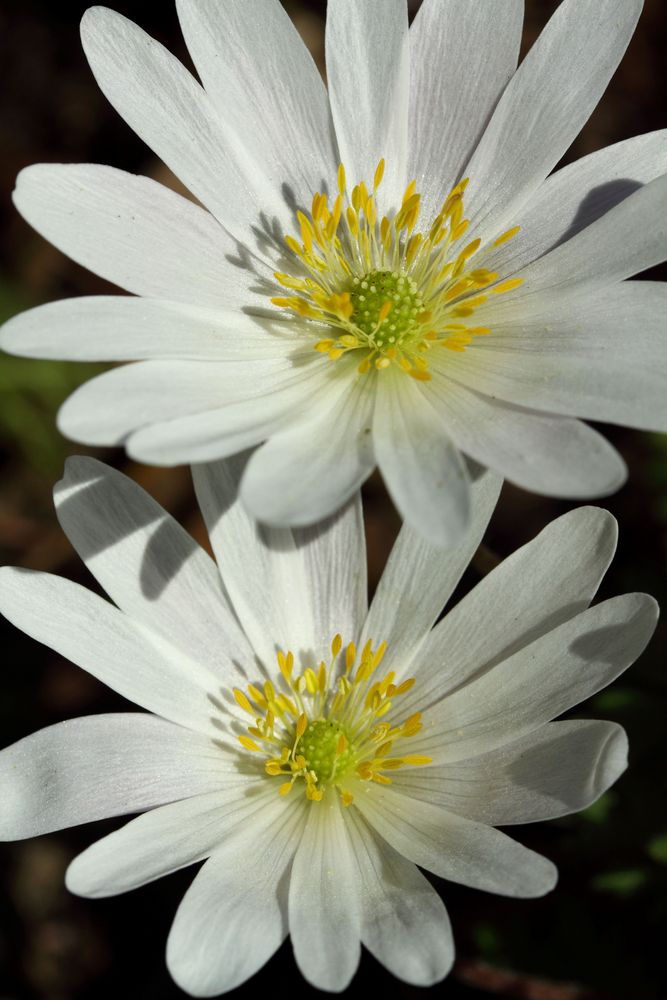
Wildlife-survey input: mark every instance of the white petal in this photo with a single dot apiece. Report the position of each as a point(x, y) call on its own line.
point(576, 196)
point(419, 579)
point(452, 44)
point(123, 328)
point(554, 456)
point(368, 71)
point(405, 924)
point(559, 769)
point(163, 103)
point(292, 590)
point(257, 407)
point(604, 358)
point(267, 91)
point(138, 234)
point(148, 565)
point(325, 900)
point(100, 766)
point(163, 840)
point(630, 238)
point(155, 391)
point(423, 471)
point(121, 653)
point(541, 585)
point(540, 681)
point(233, 917)
point(544, 107)
point(455, 848)
point(309, 470)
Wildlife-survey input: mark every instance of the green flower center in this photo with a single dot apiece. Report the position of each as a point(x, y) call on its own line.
point(321, 744)
point(370, 295)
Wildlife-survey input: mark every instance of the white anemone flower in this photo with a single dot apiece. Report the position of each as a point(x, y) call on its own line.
point(313, 750)
point(385, 273)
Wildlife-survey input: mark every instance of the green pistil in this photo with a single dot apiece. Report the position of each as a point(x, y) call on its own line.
point(319, 744)
point(370, 293)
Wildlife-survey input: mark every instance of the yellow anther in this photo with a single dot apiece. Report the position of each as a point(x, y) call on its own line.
point(301, 725)
point(409, 191)
point(417, 760)
point(286, 788)
point(322, 678)
point(506, 286)
point(311, 680)
point(506, 237)
point(242, 700)
point(341, 179)
point(347, 798)
point(406, 685)
point(341, 744)
point(384, 311)
point(248, 744)
point(336, 645)
point(257, 695)
point(379, 174)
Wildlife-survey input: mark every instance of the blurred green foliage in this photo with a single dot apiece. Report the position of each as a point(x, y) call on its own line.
point(31, 392)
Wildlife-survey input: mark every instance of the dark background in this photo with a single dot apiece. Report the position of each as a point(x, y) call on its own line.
point(601, 933)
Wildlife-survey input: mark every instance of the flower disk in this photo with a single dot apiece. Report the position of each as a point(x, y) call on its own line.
point(393, 291)
point(326, 729)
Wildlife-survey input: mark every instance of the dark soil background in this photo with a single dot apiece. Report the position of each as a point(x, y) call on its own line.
point(601, 934)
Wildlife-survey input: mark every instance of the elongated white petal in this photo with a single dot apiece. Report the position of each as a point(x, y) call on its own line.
point(121, 653)
point(101, 766)
point(263, 409)
point(368, 72)
point(309, 470)
point(233, 917)
point(540, 681)
point(163, 840)
point(419, 579)
point(545, 105)
point(405, 924)
point(576, 196)
point(133, 231)
point(630, 238)
point(604, 360)
point(537, 588)
point(452, 44)
point(163, 103)
point(455, 848)
point(555, 456)
point(155, 391)
point(325, 906)
point(266, 90)
point(560, 769)
point(291, 589)
point(149, 566)
point(423, 471)
point(123, 328)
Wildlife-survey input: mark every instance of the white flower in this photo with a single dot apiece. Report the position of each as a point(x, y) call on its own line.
point(312, 823)
point(455, 145)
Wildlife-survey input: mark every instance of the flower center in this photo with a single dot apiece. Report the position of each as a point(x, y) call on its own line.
point(323, 730)
point(326, 747)
point(387, 290)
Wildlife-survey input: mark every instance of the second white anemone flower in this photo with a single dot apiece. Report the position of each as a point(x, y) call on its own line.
point(313, 750)
point(382, 273)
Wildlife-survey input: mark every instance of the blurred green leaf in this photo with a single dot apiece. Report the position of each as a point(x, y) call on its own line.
point(599, 812)
point(616, 698)
point(31, 392)
point(621, 883)
point(657, 848)
point(487, 940)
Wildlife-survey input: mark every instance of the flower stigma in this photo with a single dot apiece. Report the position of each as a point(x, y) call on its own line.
point(326, 729)
point(388, 290)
